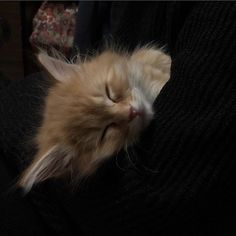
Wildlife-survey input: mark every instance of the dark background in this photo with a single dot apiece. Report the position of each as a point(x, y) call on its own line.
point(17, 59)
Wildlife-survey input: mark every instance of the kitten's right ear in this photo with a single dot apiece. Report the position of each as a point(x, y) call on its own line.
point(51, 164)
point(59, 69)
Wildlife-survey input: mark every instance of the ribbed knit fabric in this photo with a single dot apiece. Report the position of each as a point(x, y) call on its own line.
point(181, 180)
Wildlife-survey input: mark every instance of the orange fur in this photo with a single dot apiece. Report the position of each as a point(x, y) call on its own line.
point(95, 109)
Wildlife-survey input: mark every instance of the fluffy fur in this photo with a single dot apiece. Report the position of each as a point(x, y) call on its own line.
point(96, 108)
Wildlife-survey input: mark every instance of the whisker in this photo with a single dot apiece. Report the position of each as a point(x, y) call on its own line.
point(130, 160)
point(117, 163)
point(143, 168)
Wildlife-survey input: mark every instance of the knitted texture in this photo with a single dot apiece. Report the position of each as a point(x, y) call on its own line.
point(182, 177)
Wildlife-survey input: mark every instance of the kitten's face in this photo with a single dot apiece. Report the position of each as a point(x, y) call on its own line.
point(95, 109)
point(98, 111)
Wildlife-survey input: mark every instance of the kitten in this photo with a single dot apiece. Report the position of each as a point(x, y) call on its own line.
point(94, 109)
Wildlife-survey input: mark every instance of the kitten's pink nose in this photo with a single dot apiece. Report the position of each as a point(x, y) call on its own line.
point(133, 113)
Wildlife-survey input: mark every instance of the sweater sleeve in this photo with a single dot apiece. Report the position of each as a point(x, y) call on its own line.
point(188, 153)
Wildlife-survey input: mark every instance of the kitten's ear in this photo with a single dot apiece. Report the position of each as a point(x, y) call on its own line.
point(154, 57)
point(57, 68)
point(53, 163)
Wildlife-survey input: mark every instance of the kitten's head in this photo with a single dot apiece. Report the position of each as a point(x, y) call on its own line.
point(94, 109)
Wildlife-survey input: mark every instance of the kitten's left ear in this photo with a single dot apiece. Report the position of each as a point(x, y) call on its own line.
point(59, 69)
point(51, 164)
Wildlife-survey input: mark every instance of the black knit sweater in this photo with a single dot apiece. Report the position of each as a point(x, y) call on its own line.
point(181, 180)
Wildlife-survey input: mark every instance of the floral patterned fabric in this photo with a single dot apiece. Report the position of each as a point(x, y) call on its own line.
point(54, 25)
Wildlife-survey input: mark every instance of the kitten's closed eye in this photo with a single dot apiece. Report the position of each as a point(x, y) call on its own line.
point(104, 132)
point(111, 95)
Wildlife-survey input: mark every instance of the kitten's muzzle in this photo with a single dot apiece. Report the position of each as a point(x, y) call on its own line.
point(133, 112)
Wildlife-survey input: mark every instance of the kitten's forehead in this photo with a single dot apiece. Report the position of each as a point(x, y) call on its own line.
point(92, 83)
point(90, 103)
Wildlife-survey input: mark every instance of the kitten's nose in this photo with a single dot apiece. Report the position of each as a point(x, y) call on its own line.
point(133, 113)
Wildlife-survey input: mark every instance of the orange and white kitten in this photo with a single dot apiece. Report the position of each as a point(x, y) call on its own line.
point(95, 109)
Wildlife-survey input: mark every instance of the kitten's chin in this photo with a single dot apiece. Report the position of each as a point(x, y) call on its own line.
point(145, 119)
point(139, 123)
